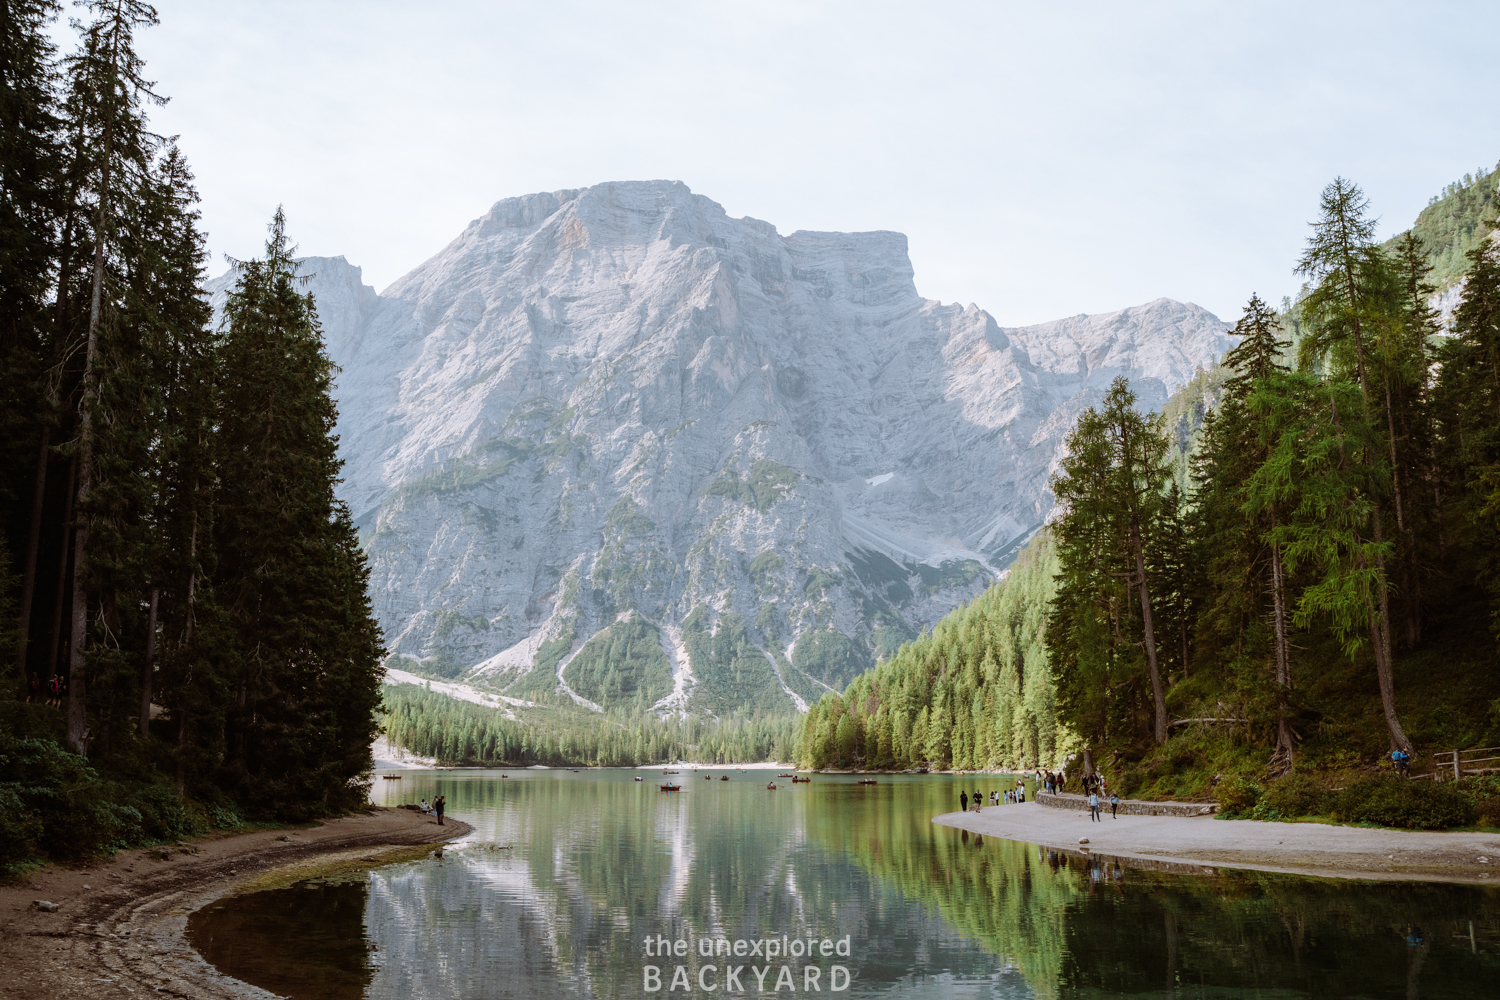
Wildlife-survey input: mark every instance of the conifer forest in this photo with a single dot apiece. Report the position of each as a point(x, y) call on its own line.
point(187, 635)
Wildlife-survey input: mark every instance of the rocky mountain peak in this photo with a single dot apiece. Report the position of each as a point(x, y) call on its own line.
point(612, 442)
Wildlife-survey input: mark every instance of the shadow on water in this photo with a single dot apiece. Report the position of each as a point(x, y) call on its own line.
point(567, 874)
point(306, 941)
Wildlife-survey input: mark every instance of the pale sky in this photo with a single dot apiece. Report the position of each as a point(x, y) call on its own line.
point(1043, 159)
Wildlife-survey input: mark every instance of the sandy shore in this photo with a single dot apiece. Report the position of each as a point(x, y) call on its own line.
point(118, 929)
point(1298, 848)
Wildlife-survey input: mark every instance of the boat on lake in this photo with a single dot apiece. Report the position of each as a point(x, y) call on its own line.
point(805, 781)
point(391, 777)
point(670, 788)
point(771, 785)
point(639, 778)
point(724, 778)
point(868, 781)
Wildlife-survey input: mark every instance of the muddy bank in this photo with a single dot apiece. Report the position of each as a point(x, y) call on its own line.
point(1294, 848)
point(118, 928)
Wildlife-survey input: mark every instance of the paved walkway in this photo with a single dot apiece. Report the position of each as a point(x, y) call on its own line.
point(1300, 848)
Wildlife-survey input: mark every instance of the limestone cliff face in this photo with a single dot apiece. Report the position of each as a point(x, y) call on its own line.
point(613, 442)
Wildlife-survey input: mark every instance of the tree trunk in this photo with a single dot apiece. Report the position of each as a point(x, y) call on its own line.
point(149, 666)
point(33, 542)
point(1283, 757)
point(1380, 628)
point(63, 549)
point(77, 680)
point(1150, 635)
point(1404, 551)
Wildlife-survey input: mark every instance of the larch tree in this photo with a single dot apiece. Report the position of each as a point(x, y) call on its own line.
point(1343, 308)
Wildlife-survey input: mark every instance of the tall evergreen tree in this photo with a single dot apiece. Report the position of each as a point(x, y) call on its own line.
point(1111, 488)
point(305, 675)
point(1255, 360)
point(106, 94)
point(1342, 310)
point(1467, 402)
point(30, 167)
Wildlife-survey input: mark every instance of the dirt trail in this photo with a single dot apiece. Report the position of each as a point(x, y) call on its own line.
point(1297, 848)
point(118, 929)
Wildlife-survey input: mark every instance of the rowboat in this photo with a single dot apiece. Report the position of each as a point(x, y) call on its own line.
point(639, 778)
point(724, 778)
point(796, 779)
point(391, 777)
point(670, 788)
point(771, 785)
point(868, 781)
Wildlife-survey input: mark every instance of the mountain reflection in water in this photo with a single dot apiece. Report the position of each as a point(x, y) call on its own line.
point(565, 876)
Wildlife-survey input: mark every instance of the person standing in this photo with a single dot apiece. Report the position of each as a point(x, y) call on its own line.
point(1114, 805)
point(963, 801)
point(976, 800)
point(441, 804)
point(1094, 807)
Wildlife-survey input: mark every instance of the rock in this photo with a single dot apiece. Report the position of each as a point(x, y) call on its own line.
point(165, 853)
point(284, 838)
point(619, 400)
point(1083, 840)
point(46, 906)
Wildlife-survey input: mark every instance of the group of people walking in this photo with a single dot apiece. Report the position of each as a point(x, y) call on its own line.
point(52, 691)
point(1097, 790)
point(435, 808)
point(998, 797)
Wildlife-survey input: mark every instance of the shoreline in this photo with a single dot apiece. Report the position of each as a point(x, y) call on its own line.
point(119, 929)
point(1313, 849)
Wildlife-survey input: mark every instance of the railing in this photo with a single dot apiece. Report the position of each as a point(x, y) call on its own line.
point(1459, 761)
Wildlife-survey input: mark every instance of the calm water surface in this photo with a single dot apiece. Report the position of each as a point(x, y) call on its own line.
point(567, 874)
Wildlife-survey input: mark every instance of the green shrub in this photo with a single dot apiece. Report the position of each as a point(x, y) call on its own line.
point(1412, 805)
point(1486, 792)
point(1297, 795)
point(1235, 795)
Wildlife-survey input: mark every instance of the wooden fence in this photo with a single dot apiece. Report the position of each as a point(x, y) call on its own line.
point(1462, 762)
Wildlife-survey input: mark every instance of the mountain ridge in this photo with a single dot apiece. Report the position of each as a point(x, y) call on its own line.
point(615, 418)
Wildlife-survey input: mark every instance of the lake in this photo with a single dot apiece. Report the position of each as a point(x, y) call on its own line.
point(567, 875)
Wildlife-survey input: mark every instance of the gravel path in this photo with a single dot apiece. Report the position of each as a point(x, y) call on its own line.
point(118, 928)
point(1299, 848)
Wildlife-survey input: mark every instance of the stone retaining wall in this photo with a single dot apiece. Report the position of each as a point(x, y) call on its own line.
point(1129, 807)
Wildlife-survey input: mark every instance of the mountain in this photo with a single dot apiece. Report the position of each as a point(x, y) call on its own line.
point(612, 443)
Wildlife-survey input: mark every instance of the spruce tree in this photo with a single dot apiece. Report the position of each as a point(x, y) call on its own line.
point(1253, 391)
point(291, 579)
point(30, 173)
point(106, 93)
point(1467, 402)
